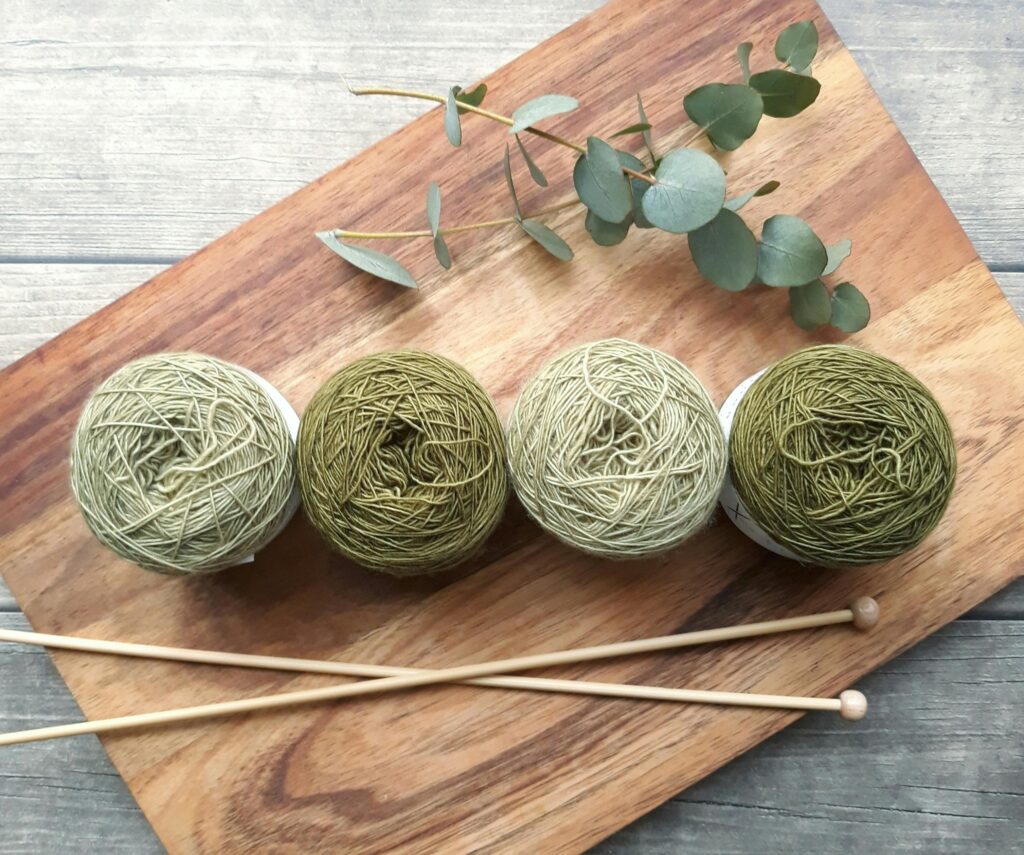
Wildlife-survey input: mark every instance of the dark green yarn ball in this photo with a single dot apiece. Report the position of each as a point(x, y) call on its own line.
point(401, 463)
point(842, 456)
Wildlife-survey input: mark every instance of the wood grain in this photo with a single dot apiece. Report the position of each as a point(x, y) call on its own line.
point(292, 289)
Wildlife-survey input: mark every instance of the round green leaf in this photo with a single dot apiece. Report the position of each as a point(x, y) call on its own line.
point(790, 253)
point(689, 191)
point(727, 112)
point(837, 253)
point(540, 108)
point(591, 194)
point(373, 262)
point(604, 233)
point(639, 189)
point(547, 239)
point(809, 306)
point(784, 93)
point(725, 251)
point(606, 193)
point(850, 309)
point(797, 45)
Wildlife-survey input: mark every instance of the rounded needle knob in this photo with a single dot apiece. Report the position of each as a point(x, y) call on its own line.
point(853, 706)
point(865, 613)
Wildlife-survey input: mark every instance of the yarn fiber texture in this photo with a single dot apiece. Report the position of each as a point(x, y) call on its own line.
point(842, 456)
point(616, 449)
point(182, 463)
point(401, 463)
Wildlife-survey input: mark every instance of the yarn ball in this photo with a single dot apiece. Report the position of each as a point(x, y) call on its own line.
point(616, 449)
point(182, 464)
point(402, 463)
point(842, 456)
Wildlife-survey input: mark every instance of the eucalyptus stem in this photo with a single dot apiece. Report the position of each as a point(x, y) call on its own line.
point(454, 230)
point(496, 117)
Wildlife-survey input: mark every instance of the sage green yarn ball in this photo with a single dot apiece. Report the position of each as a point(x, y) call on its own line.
point(842, 456)
point(402, 463)
point(182, 464)
point(616, 449)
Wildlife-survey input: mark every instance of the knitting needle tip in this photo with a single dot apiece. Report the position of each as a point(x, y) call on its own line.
point(865, 613)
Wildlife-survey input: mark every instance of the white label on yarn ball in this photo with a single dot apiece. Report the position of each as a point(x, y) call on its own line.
point(291, 420)
point(729, 499)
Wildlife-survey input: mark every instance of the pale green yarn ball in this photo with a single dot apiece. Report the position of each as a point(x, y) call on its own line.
point(616, 449)
point(182, 464)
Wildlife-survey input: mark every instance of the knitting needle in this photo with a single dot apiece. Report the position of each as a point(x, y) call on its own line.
point(863, 613)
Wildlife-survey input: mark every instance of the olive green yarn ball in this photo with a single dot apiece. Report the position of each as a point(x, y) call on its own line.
point(616, 449)
point(842, 456)
point(402, 463)
point(183, 464)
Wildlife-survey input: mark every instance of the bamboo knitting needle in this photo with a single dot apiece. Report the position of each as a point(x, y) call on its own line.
point(863, 613)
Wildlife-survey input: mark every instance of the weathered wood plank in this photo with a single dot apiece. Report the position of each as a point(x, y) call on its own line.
point(38, 301)
point(64, 796)
point(920, 773)
point(936, 767)
point(144, 136)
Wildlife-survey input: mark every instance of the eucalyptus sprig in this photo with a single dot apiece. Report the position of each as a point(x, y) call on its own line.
point(681, 191)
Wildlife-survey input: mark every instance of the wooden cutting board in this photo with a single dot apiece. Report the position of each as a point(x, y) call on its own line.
point(459, 769)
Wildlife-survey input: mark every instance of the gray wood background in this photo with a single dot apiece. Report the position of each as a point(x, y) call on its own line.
point(131, 134)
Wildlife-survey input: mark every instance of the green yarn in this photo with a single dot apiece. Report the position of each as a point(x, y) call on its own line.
point(402, 463)
point(842, 456)
point(616, 449)
point(182, 463)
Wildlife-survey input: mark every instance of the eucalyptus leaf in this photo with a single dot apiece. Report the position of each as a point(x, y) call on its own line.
point(604, 233)
point(809, 305)
point(452, 125)
point(784, 93)
point(727, 112)
point(444, 257)
point(541, 108)
point(725, 251)
point(790, 253)
point(535, 171)
point(646, 135)
point(434, 207)
point(739, 201)
point(638, 128)
point(743, 57)
point(797, 45)
point(507, 164)
point(376, 263)
point(603, 187)
point(850, 309)
point(688, 193)
point(837, 253)
point(474, 97)
point(547, 239)
point(587, 187)
point(639, 189)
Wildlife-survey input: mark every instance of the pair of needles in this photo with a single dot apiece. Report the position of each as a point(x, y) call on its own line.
point(863, 613)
